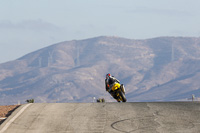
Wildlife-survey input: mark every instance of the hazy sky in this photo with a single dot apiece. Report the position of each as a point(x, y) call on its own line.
point(28, 25)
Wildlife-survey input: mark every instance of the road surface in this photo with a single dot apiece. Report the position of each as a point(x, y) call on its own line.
point(160, 117)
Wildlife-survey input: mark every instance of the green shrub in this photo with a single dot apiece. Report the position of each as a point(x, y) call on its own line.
point(30, 101)
point(101, 100)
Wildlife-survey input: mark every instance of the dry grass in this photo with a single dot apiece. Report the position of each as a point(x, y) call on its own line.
point(6, 111)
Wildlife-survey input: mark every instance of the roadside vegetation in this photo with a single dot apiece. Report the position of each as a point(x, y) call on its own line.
point(30, 101)
point(101, 100)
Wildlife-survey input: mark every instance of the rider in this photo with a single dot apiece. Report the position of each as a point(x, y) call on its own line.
point(109, 82)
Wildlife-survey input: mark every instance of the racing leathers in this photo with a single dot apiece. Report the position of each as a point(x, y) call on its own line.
point(109, 82)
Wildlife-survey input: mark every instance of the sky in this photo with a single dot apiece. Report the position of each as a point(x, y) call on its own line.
point(29, 25)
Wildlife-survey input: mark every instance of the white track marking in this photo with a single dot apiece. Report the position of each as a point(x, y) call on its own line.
point(15, 117)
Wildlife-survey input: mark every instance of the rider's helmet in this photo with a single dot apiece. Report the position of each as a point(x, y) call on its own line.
point(108, 75)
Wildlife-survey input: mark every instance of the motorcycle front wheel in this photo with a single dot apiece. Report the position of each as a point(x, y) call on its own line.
point(122, 96)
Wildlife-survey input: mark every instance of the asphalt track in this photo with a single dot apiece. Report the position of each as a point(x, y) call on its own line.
point(160, 117)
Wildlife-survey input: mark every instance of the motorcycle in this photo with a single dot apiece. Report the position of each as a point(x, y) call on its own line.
point(119, 92)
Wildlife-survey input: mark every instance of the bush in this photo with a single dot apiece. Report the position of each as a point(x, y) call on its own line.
point(101, 100)
point(30, 101)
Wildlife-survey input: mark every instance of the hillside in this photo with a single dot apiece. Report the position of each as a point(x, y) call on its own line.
point(157, 69)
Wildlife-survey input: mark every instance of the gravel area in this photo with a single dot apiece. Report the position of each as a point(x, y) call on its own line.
point(5, 111)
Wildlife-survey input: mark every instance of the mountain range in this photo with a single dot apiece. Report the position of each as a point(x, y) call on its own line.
point(156, 69)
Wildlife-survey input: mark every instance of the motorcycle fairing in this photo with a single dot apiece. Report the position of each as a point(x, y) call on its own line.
point(115, 86)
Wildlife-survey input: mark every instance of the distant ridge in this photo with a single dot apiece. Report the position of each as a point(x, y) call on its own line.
point(157, 69)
